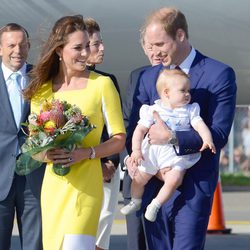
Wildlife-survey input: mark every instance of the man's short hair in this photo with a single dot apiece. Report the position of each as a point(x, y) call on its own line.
point(13, 27)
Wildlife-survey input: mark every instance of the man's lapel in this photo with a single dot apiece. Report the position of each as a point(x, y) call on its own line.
point(196, 70)
point(26, 110)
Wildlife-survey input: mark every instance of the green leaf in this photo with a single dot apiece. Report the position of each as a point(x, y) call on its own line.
point(25, 164)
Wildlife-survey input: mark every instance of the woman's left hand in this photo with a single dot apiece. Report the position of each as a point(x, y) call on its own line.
point(108, 170)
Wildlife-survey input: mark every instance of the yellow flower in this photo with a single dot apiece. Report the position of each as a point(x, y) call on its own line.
point(49, 125)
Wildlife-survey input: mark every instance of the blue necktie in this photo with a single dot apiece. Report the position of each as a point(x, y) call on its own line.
point(15, 94)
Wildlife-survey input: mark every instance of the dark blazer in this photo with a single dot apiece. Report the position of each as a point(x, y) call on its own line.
point(116, 157)
point(130, 90)
point(135, 236)
point(10, 137)
point(127, 108)
point(213, 87)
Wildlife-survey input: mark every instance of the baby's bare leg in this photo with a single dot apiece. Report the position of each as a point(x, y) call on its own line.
point(138, 183)
point(160, 174)
point(137, 189)
point(172, 180)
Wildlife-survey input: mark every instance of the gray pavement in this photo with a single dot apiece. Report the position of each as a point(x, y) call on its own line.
point(214, 242)
point(236, 207)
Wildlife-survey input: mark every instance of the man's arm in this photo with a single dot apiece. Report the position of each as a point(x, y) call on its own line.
point(220, 113)
point(159, 133)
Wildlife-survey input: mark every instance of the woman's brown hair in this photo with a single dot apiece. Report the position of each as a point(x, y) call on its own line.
point(48, 63)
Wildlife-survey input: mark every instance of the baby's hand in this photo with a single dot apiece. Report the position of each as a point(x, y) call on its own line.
point(209, 145)
point(137, 157)
point(132, 168)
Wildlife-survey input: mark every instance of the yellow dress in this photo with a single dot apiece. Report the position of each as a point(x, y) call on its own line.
point(71, 204)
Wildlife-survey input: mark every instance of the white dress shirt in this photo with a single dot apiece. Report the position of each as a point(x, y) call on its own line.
point(186, 64)
point(23, 78)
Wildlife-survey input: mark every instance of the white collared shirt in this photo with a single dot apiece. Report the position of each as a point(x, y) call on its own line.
point(186, 64)
point(23, 79)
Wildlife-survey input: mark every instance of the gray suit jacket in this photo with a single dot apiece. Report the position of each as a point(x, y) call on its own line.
point(10, 137)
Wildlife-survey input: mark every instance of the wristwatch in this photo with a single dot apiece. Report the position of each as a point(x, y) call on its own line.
point(173, 140)
point(92, 153)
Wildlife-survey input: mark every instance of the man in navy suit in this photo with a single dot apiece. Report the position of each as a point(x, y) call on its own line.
point(19, 195)
point(182, 221)
point(135, 232)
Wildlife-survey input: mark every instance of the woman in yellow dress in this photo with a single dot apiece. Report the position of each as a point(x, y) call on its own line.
point(71, 204)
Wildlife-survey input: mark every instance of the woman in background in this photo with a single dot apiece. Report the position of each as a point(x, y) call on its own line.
point(110, 165)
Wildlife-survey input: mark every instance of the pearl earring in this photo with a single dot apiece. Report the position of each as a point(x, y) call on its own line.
point(60, 59)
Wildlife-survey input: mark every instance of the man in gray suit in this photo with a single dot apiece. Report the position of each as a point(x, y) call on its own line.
point(135, 233)
point(19, 195)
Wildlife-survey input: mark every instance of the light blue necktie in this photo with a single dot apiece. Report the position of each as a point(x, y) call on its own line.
point(15, 94)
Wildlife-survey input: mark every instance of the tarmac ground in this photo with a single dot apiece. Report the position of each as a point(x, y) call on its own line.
point(214, 242)
point(236, 207)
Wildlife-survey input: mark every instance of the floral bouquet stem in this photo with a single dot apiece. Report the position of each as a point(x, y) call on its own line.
point(60, 170)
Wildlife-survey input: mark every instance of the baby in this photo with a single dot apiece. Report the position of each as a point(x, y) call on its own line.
point(173, 87)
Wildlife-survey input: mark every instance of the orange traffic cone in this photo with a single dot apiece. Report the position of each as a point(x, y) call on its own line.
point(216, 221)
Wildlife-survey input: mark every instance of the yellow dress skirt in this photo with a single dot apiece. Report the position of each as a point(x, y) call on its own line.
point(71, 204)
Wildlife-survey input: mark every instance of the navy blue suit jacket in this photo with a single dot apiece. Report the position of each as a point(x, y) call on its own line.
point(213, 87)
point(127, 108)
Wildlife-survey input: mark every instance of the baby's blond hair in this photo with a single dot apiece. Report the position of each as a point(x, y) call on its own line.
point(166, 77)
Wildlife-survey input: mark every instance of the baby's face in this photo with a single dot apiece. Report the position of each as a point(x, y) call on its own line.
point(178, 93)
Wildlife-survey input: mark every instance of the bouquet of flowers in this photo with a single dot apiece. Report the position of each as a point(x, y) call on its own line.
point(59, 124)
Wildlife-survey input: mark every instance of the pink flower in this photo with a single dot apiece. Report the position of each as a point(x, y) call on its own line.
point(57, 117)
point(45, 116)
